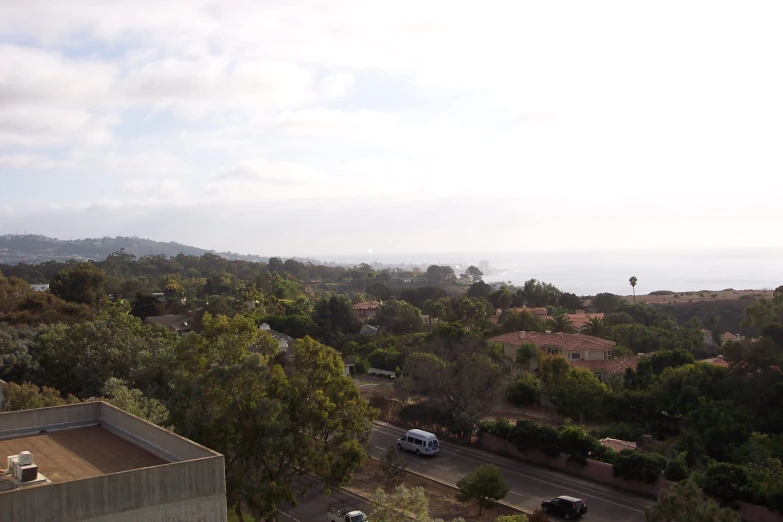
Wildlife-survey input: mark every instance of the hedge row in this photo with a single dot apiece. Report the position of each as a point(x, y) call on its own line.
point(575, 442)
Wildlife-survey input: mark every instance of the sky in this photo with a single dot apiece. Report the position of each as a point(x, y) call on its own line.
point(338, 127)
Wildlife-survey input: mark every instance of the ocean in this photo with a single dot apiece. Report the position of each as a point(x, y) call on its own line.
point(591, 272)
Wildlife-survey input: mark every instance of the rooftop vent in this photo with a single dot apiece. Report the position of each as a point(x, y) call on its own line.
point(22, 468)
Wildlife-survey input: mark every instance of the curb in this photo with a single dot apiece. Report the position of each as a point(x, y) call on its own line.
point(454, 486)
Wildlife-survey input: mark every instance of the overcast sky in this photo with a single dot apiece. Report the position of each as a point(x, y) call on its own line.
point(283, 127)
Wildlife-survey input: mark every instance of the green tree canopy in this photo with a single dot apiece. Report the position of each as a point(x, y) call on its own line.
point(80, 283)
point(685, 502)
point(485, 485)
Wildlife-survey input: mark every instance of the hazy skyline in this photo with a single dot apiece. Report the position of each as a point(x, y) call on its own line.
point(310, 127)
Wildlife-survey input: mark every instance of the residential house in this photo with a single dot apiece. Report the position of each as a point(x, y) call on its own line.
point(717, 361)
point(366, 310)
point(40, 288)
point(179, 324)
point(582, 351)
point(709, 340)
point(617, 444)
point(285, 342)
point(727, 337)
point(368, 330)
point(580, 318)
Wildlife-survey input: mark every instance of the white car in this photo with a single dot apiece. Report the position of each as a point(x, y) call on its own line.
point(342, 513)
point(420, 442)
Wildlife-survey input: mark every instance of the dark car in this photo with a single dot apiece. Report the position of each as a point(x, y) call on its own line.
point(567, 507)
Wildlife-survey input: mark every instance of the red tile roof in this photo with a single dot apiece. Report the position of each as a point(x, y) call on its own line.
point(567, 342)
point(717, 361)
point(727, 336)
point(579, 320)
point(617, 444)
point(616, 366)
point(367, 305)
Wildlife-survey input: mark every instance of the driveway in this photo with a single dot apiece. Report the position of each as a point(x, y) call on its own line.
point(529, 484)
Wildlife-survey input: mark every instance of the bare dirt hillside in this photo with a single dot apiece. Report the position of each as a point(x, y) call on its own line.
point(700, 295)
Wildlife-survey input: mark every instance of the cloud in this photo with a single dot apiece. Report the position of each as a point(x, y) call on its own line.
point(533, 113)
point(336, 85)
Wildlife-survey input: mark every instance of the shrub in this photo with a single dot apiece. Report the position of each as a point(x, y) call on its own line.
point(726, 482)
point(645, 467)
point(676, 470)
point(576, 443)
point(500, 428)
point(524, 391)
point(603, 454)
point(528, 435)
point(620, 430)
point(484, 484)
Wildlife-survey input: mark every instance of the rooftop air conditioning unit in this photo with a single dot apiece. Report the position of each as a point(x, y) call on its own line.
point(22, 467)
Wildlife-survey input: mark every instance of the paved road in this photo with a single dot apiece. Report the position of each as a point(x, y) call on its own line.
point(529, 484)
point(313, 504)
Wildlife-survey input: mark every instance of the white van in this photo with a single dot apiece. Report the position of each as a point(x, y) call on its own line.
point(420, 442)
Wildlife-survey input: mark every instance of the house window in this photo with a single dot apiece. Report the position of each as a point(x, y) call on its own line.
point(597, 375)
point(574, 355)
point(553, 351)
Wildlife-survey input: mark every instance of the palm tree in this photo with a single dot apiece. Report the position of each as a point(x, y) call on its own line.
point(596, 327)
point(526, 354)
point(433, 309)
point(560, 323)
point(633, 281)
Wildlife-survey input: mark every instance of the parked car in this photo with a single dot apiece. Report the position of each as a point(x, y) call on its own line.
point(420, 442)
point(567, 507)
point(342, 513)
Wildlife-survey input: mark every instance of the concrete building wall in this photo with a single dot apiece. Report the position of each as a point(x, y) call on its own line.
point(193, 490)
point(165, 444)
point(18, 423)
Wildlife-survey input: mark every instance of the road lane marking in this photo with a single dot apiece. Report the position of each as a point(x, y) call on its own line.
point(289, 516)
point(505, 466)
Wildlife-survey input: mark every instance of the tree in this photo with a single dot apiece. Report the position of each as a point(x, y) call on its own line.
point(579, 393)
point(570, 301)
point(479, 289)
point(526, 355)
point(440, 275)
point(645, 467)
point(334, 316)
point(524, 391)
point(596, 327)
point(432, 308)
point(393, 465)
point(606, 302)
point(399, 505)
point(524, 321)
point(501, 298)
point(399, 317)
point(633, 280)
point(685, 502)
point(466, 388)
point(272, 425)
point(28, 396)
point(485, 485)
point(554, 371)
point(727, 482)
point(560, 323)
point(474, 273)
point(81, 283)
point(147, 305)
point(134, 402)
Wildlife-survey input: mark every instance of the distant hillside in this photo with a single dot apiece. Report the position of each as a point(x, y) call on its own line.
point(32, 249)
